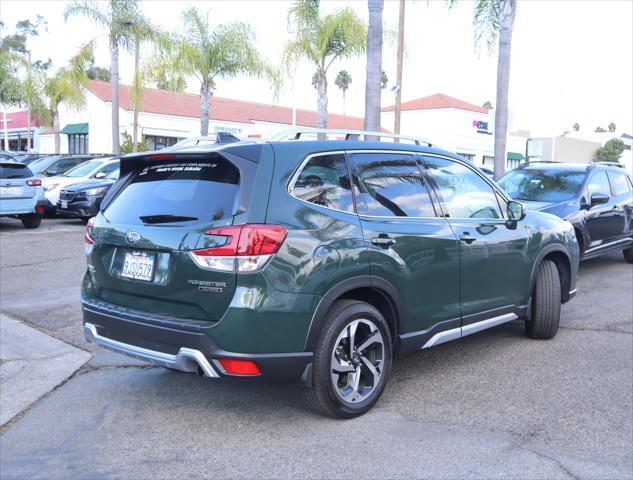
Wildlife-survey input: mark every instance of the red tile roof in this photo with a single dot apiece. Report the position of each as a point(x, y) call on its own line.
point(177, 104)
point(439, 100)
point(18, 120)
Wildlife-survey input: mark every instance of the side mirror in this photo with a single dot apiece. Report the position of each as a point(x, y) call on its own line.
point(100, 175)
point(516, 211)
point(51, 173)
point(599, 198)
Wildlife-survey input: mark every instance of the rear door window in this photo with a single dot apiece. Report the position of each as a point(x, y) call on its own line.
point(14, 171)
point(180, 190)
point(619, 183)
point(392, 185)
point(325, 181)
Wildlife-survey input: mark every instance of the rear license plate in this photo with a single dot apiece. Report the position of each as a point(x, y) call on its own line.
point(64, 204)
point(11, 191)
point(138, 266)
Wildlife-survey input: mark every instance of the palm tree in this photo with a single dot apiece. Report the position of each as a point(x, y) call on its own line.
point(343, 80)
point(207, 53)
point(487, 105)
point(384, 79)
point(494, 19)
point(374, 66)
point(611, 127)
point(576, 127)
point(115, 17)
point(322, 40)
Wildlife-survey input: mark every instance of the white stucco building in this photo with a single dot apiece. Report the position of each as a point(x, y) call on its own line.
point(457, 126)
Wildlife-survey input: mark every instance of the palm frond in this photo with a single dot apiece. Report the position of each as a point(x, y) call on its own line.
point(486, 22)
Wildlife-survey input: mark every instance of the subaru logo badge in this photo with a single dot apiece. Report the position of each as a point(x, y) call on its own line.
point(132, 237)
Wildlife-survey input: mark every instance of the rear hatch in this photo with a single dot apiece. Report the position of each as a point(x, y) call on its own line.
point(153, 217)
point(14, 189)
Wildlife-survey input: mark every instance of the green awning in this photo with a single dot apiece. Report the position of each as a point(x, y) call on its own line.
point(515, 156)
point(75, 128)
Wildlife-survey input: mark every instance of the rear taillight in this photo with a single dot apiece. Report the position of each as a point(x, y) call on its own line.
point(88, 237)
point(246, 248)
point(34, 182)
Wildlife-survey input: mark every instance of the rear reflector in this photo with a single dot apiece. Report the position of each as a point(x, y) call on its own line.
point(89, 239)
point(246, 248)
point(239, 367)
point(34, 182)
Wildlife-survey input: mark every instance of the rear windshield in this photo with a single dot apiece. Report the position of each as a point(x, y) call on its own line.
point(83, 169)
point(542, 185)
point(178, 191)
point(17, 170)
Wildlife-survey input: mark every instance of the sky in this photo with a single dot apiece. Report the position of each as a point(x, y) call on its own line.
point(572, 60)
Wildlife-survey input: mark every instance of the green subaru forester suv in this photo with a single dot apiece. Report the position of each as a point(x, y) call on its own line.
point(315, 260)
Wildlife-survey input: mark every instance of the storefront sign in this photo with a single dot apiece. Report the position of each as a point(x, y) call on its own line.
point(482, 127)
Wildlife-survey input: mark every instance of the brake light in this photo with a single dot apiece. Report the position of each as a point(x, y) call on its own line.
point(161, 156)
point(88, 237)
point(246, 248)
point(239, 367)
point(34, 182)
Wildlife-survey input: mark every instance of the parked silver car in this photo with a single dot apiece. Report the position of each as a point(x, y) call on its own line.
point(21, 194)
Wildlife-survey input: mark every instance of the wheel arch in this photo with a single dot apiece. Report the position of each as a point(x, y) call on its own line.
point(375, 291)
point(560, 256)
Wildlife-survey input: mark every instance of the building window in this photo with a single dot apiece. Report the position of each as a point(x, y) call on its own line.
point(488, 160)
point(513, 163)
point(468, 156)
point(78, 143)
point(155, 142)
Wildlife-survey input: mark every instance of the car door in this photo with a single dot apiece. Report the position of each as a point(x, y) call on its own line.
point(601, 220)
point(495, 266)
point(409, 244)
point(623, 203)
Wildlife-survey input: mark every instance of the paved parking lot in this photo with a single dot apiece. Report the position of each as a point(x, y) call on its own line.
point(495, 404)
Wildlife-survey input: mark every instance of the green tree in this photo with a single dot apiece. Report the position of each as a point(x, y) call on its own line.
point(114, 16)
point(343, 80)
point(610, 152)
point(599, 130)
point(384, 79)
point(95, 72)
point(128, 146)
point(576, 127)
point(487, 105)
point(611, 127)
point(322, 40)
point(207, 53)
point(373, 78)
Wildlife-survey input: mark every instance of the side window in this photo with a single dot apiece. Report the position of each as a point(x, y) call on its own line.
point(113, 167)
point(465, 193)
point(391, 184)
point(324, 181)
point(599, 183)
point(619, 183)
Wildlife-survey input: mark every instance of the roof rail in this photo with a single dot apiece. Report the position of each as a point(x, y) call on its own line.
point(608, 164)
point(351, 135)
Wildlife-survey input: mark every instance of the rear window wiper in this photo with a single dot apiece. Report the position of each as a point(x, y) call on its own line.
point(166, 218)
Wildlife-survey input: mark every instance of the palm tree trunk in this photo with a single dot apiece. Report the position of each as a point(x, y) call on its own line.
point(114, 81)
point(321, 120)
point(137, 100)
point(399, 54)
point(343, 102)
point(507, 12)
point(5, 127)
point(56, 136)
point(205, 108)
point(374, 66)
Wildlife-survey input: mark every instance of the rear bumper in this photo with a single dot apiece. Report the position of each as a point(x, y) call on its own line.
point(179, 344)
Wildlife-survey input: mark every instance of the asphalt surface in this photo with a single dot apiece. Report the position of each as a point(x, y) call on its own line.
point(492, 405)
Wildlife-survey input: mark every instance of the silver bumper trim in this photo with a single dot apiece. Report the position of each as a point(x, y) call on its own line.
point(186, 360)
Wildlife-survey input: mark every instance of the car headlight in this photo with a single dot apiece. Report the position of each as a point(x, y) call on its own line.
point(50, 187)
point(95, 191)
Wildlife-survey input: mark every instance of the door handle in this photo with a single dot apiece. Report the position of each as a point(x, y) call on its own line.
point(383, 241)
point(467, 238)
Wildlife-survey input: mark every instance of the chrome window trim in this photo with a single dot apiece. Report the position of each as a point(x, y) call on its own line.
point(302, 164)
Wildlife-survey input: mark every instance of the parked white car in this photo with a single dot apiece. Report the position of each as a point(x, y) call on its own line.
point(92, 169)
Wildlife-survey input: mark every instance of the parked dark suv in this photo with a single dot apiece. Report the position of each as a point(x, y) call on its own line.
point(314, 260)
point(596, 198)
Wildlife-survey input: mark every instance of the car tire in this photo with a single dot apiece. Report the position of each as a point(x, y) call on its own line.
point(85, 220)
point(343, 385)
point(546, 301)
point(628, 254)
point(32, 220)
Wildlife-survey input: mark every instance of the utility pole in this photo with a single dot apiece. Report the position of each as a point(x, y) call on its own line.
point(28, 105)
point(396, 120)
